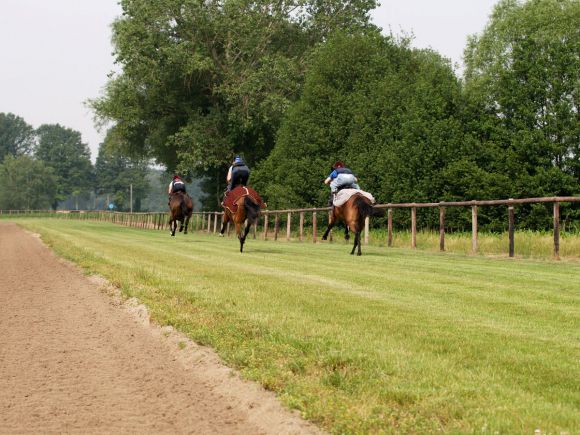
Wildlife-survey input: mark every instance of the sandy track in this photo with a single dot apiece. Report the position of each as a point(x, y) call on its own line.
point(75, 360)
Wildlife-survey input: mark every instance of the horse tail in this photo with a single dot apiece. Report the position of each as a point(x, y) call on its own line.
point(183, 204)
point(187, 205)
point(252, 209)
point(364, 207)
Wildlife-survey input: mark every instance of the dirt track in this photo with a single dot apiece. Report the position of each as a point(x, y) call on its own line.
point(75, 359)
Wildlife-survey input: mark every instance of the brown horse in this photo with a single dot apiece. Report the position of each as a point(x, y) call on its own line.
point(180, 208)
point(243, 211)
point(353, 213)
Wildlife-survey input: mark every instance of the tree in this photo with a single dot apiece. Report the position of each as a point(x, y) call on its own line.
point(16, 136)
point(388, 111)
point(63, 150)
point(26, 183)
point(115, 174)
point(202, 80)
point(522, 80)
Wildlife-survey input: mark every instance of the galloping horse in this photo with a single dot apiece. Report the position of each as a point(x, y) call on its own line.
point(241, 206)
point(353, 213)
point(181, 208)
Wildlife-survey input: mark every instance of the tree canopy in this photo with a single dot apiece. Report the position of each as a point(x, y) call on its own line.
point(202, 81)
point(388, 112)
point(26, 183)
point(16, 136)
point(62, 149)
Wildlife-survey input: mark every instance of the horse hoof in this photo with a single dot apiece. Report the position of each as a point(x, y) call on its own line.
point(324, 238)
point(220, 235)
point(359, 254)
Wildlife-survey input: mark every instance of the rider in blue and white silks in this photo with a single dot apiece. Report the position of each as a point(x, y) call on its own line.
point(339, 178)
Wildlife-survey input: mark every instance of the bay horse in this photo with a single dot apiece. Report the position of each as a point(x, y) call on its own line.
point(180, 209)
point(241, 206)
point(353, 213)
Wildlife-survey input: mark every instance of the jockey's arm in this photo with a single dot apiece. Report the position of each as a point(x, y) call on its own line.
point(229, 177)
point(328, 180)
point(169, 189)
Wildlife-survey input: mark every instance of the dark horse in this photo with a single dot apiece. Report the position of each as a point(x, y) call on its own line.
point(243, 209)
point(181, 208)
point(353, 213)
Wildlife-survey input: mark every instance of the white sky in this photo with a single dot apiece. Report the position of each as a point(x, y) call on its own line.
point(55, 54)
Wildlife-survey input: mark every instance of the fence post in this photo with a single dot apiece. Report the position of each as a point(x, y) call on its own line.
point(229, 227)
point(301, 234)
point(474, 229)
point(442, 229)
point(209, 222)
point(313, 227)
point(367, 219)
point(276, 226)
point(557, 230)
point(413, 227)
point(511, 228)
point(390, 227)
point(288, 226)
point(215, 219)
point(266, 226)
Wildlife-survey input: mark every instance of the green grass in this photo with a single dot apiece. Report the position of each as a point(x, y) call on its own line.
point(393, 341)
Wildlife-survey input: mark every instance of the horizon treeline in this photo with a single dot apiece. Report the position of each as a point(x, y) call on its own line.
point(295, 86)
point(50, 167)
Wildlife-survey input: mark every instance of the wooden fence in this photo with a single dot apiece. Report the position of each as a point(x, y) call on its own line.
point(208, 221)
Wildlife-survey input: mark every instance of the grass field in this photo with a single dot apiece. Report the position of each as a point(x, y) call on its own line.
point(393, 341)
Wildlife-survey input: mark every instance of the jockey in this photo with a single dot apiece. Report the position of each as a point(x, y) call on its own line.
point(341, 177)
point(176, 185)
point(238, 174)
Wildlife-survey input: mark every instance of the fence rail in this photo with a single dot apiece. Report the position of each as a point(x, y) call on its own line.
point(207, 221)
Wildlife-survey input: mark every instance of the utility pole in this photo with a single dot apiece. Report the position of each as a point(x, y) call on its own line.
point(131, 196)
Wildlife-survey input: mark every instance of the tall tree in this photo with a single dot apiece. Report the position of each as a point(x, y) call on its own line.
point(63, 150)
point(26, 183)
point(16, 136)
point(116, 173)
point(388, 111)
point(202, 80)
point(523, 79)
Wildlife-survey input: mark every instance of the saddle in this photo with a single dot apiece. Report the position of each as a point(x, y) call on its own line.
point(344, 195)
point(232, 197)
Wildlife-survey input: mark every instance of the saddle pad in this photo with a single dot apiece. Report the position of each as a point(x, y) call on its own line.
point(344, 195)
point(232, 197)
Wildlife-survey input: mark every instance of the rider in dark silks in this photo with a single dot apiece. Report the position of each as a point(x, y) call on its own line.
point(176, 185)
point(238, 174)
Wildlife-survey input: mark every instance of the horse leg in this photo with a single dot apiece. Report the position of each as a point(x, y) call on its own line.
point(181, 225)
point(359, 253)
point(346, 233)
point(241, 235)
point(186, 223)
point(224, 224)
point(331, 223)
point(247, 226)
point(356, 242)
point(173, 226)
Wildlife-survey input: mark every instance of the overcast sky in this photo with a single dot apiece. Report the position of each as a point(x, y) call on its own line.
point(55, 54)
